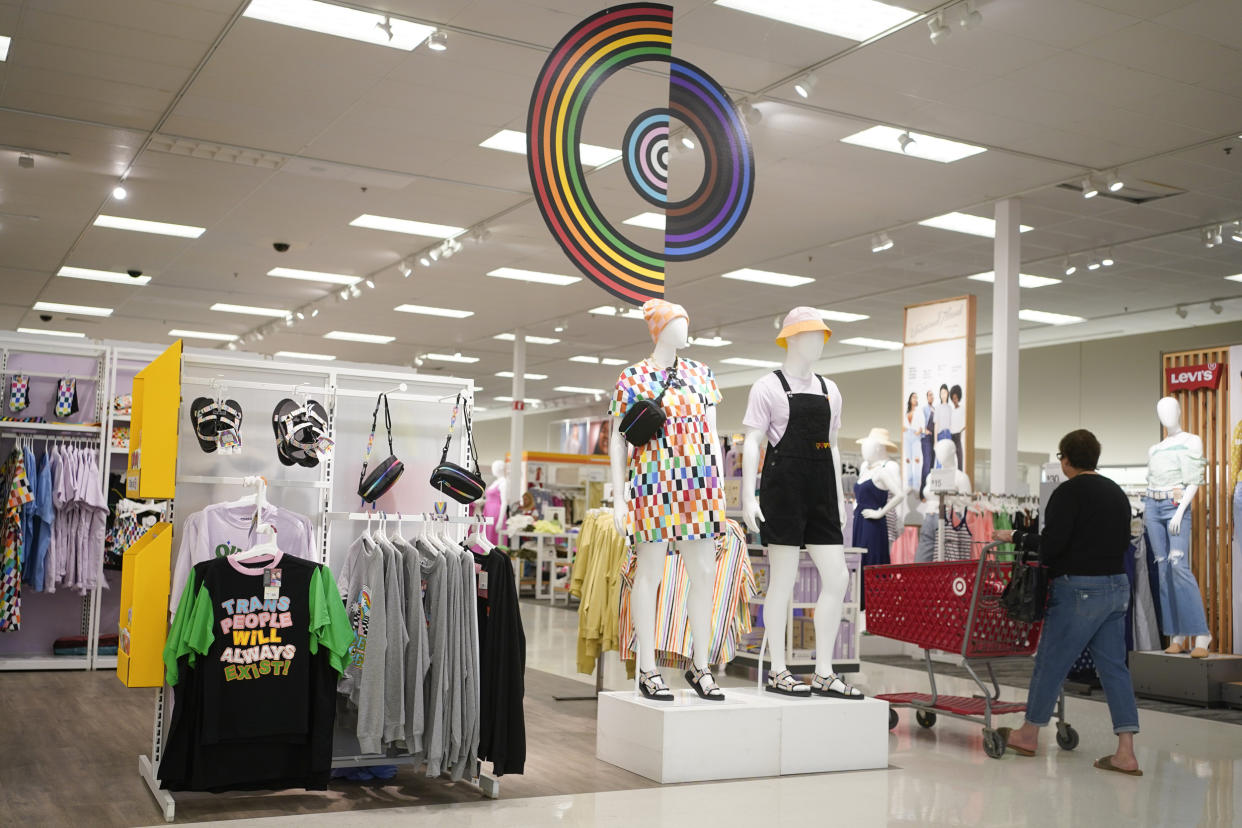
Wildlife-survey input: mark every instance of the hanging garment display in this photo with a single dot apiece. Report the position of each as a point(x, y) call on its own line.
point(17, 494)
point(596, 582)
point(74, 555)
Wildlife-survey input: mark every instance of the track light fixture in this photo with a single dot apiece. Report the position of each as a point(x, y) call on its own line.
point(1093, 263)
point(314, 312)
point(1215, 307)
point(937, 30)
point(1089, 188)
point(437, 41)
point(300, 316)
point(1236, 232)
point(751, 113)
point(344, 294)
point(25, 161)
point(687, 142)
point(385, 26)
point(289, 321)
point(405, 269)
point(1212, 236)
point(1114, 182)
point(1069, 267)
point(371, 284)
point(881, 242)
point(1107, 260)
point(806, 85)
point(971, 16)
point(1182, 312)
point(355, 291)
point(424, 261)
point(232, 346)
point(119, 192)
point(905, 139)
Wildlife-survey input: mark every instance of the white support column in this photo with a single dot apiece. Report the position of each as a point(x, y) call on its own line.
point(516, 485)
point(1006, 259)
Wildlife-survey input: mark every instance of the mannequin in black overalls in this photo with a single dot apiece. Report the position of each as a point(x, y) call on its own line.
point(800, 503)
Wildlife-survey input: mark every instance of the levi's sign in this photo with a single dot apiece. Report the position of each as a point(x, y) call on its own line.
point(1190, 377)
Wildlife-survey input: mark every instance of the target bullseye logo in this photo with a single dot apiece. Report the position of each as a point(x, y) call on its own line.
point(581, 62)
point(959, 586)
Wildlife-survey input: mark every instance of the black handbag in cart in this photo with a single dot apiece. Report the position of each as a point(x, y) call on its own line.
point(644, 420)
point(460, 483)
point(1026, 594)
point(373, 486)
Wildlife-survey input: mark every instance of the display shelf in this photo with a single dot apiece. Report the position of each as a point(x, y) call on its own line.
point(44, 662)
point(71, 428)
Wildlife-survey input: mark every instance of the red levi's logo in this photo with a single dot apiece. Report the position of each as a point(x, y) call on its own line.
point(1191, 377)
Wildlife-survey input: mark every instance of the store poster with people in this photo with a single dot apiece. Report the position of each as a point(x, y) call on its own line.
point(583, 436)
point(937, 371)
point(1234, 371)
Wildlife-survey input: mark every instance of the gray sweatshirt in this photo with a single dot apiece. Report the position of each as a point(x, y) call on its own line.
point(361, 583)
point(455, 664)
point(435, 603)
point(469, 623)
point(394, 653)
point(417, 657)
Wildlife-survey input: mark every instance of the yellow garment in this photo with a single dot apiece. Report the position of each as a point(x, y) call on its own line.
point(596, 581)
point(1235, 459)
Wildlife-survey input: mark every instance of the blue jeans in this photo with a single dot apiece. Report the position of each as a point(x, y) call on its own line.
point(1181, 603)
point(1084, 611)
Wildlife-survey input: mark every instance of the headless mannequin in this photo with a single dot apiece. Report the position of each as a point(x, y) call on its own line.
point(803, 350)
point(500, 483)
point(698, 556)
point(1169, 412)
point(946, 454)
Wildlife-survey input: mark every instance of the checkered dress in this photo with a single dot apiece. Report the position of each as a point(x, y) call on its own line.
point(675, 488)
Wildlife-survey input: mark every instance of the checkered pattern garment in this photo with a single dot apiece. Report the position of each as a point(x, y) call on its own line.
point(66, 397)
point(17, 488)
point(675, 488)
point(19, 392)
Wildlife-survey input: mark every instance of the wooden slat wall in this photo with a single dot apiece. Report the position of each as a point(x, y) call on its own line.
point(1206, 413)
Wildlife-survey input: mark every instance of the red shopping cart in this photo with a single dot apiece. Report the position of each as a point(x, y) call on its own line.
point(955, 606)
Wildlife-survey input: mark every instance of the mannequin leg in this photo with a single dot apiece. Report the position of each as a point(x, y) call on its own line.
point(643, 600)
point(699, 558)
point(834, 578)
point(782, 572)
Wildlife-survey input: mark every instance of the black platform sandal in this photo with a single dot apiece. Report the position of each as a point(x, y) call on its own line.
point(787, 684)
point(651, 685)
point(833, 687)
point(704, 684)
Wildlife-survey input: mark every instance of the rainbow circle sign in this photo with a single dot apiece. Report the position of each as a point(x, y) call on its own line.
point(577, 67)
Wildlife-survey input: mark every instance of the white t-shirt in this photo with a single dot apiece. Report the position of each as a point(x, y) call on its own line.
point(959, 419)
point(767, 408)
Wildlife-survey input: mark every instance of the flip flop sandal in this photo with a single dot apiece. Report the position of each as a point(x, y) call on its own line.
point(698, 678)
point(823, 686)
point(282, 416)
point(1106, 763)
point(1005, 733)
point(228, 432)
point(204, 418)
point(652, 686)
point(313, 424)
point(787, 684)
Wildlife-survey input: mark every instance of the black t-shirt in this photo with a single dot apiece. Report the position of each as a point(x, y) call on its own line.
point(1086, 528)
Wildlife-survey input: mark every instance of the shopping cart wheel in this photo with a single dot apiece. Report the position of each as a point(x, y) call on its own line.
point(993, 743)
point(1067, 737)
point(892, 718)
point(926, 718)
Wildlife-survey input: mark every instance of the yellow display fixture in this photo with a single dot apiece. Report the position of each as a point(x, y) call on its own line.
point(143, 624)
point(152, 470)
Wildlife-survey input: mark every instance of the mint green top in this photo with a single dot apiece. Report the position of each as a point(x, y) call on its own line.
point(1176, 465)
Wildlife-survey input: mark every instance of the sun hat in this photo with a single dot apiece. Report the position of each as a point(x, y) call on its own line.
point(658, 313)
point(880, 435)
point(801, 320)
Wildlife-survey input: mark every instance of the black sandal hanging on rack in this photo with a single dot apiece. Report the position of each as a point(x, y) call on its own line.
point(833, 687)
point(704, 684)
point(651, 685)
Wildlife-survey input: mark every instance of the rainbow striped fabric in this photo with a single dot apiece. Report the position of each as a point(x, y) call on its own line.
point(19, 494)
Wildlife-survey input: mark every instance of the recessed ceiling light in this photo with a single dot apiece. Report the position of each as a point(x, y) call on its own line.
point(181, 333)
point(413, 228)
point(81, 310)
point(302, 355)
point(609, 310)
point(575, 389)
point(927, 147)
point(350, 336)
point(851, 19)
point(1048, 318)
point(527, 400)
point(966, 223)
point(330, 19)
point(46, 332)
point(842, 316)
point(654, 221)
point(426, 310)
point(159, 228)
point(249, 310)
point(1025, 280)
point(468, 360)
point(767, 277)
point(533, 340)
point(868, 342)
point(533, 276)
point(747, 362)
point(313, 276)
point(102, 276)
point(710, 342)
point(4, 46)
point(591, 360)
point(509, 375)
point(509, 140)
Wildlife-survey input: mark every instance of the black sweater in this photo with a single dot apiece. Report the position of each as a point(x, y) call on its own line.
point(1086, 528)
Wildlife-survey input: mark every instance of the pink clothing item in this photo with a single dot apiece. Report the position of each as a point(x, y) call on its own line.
point(492, 508)
point(767, 408)
point(980, 526)
point(905, 546)
point(659, 313)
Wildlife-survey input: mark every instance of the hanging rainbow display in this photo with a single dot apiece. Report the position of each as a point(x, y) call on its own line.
point(580, 63)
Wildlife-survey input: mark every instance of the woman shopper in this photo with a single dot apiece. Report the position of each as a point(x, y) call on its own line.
point(1085, 538)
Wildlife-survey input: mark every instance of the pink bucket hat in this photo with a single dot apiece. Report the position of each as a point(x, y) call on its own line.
point(801, 320)
point(658, 313)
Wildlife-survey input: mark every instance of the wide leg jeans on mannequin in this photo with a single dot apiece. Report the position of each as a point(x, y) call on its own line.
point(1181, 602)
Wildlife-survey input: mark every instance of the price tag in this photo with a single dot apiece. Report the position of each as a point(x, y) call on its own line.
point(271, 584)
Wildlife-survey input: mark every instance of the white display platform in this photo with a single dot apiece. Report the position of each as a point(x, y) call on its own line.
point(752, 733)
point(689, 739)
point(823, 735)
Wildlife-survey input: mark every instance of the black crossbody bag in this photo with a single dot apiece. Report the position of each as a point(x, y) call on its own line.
point(371, 487)
point(644, 420)
point(463, 484)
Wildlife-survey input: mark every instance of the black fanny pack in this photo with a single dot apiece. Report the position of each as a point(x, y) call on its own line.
point(373, 486)
point(459, 482)
point(644, 420)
